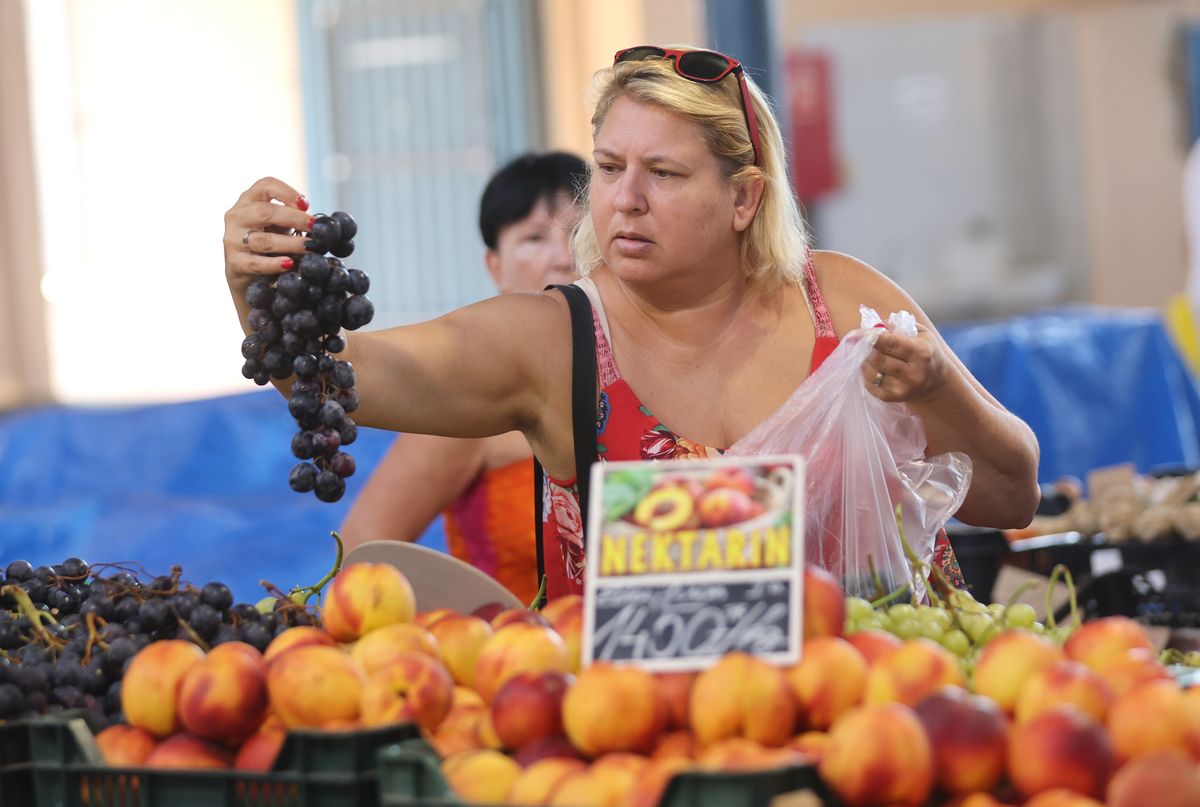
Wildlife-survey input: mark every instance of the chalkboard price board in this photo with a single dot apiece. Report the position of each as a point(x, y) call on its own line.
point(690, 560)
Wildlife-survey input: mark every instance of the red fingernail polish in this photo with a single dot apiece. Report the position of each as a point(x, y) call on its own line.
point(287, 263)
point(311, 219)
point(302, 202)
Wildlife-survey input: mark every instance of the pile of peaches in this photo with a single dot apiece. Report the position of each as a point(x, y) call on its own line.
point(499, 694)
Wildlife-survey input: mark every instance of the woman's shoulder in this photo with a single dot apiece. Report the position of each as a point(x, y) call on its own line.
point(847, 282)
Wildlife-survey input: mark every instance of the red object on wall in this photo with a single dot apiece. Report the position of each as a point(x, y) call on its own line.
point(814, 160)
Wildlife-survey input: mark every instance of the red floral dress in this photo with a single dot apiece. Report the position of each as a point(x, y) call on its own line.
point(627, 430)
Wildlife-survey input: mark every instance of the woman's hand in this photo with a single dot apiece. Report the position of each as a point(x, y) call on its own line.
point(911, 369)
point(260, 232)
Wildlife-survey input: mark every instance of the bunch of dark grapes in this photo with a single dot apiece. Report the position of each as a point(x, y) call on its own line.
point(73, 652)
point(296, 322)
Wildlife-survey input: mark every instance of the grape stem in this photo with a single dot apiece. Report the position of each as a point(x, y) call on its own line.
point(93, 638)
point(38, 618)
point(315, 589)
point(1060, 570)
point(539, 599)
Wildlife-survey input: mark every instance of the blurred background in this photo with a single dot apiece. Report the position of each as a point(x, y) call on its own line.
point(1017, 165)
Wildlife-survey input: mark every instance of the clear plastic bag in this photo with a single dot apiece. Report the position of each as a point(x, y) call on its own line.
point(863, 458)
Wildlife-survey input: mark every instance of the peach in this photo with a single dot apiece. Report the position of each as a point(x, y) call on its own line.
point(487, 732)
point(224, 697)
point(621, 770)
point(259, 751)
point(537, 782)
point(125, 746)
point(489, 610)
point(465, 697)
point(830, 679)
point(666, 508)
point(1164, 779)
point(188, 751)
point(735, 754)
point(1064, 682)
point(529, 707)
point(811, 744)
point(518, 616)
point(586, 789)
point(1135, 667)
point(1061, 797)
point(515, 649)
point(426, 618)
point(722, 507)
point(736, 478)
point(483, 777)
point(314, 684)
point(824, 603)
point(547, 748)
point(681, 744)
point(1104, 640)
point(874, 644)
point(459, 731)
point(1007, 662)
point(381, 646)
point(298, 636)
point(150, 688)
point(566, 617)
point(1148, 718)
point(366, 596)
point(413, 687)
point(1191, 708)
point(977, 800)
point(967, 734)
point(651, 786)
point(879, 755)
point(613, 708)
point(743, 696)
point(917, 669)
point(1062, 747)
point(460, 638)
point(675, 689)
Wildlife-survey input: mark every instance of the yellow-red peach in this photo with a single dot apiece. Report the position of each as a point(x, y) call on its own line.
point(188, 751)
point(459, 731)
point(125, 746)
point(1007, 662)
point(613, 708)
point(1061, 797)
point(538, 781)
point(515, 649)
point(1063, 683)
point(874, 644)
point(150, 687)
point(586, 789)
point(1062, 747)
point(650, 787)
point(740, 754)
point(259, 751)
point(298, 636)
point(829, 680)
point(529, 707)
point(811, 744)
point(1149, 718)
point(381, 646)
point(675, 689)
point(460, 637)
point(1101, 641)
point(518, 616)
point(547, 748)
point(918, 668)
point(366, 596)
point(879, 755)
point(464, 696)
point(560, 607)
point(314, 684)
point(824, 603)
point(621, 770)
point(481, 777)
point(1163, 779)
point(1137, 666)
point(968, 735)
point(224, 697)
point(412, 688)
point(426, 618)
point(566, 617)
point(743, 696)
point(675, 744)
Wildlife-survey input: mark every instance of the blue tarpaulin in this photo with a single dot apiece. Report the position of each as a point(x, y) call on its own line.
point(203, 484)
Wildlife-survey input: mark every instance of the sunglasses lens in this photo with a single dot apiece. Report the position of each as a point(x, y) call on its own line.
point(638, 54)
point(703, 65)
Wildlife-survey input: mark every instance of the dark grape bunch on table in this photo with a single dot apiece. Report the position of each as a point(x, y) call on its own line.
point(68, 631)
point(296, 322)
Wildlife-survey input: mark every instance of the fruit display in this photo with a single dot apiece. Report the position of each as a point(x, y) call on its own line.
point(296, 321)
point(881, 707)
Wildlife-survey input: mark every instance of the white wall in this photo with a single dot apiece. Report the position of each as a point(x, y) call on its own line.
point(150, 118)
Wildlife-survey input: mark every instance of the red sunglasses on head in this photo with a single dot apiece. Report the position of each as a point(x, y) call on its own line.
point(704, 67)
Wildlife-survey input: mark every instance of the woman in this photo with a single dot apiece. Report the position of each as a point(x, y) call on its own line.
point(483, 487)
point(697, 265)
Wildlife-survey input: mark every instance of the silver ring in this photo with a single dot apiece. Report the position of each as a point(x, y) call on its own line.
point(878, 379)
point(246, 237)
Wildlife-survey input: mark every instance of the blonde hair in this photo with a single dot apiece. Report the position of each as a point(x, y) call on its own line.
point(775, 245)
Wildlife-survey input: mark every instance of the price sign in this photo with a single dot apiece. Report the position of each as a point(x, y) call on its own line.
point(689, 560)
